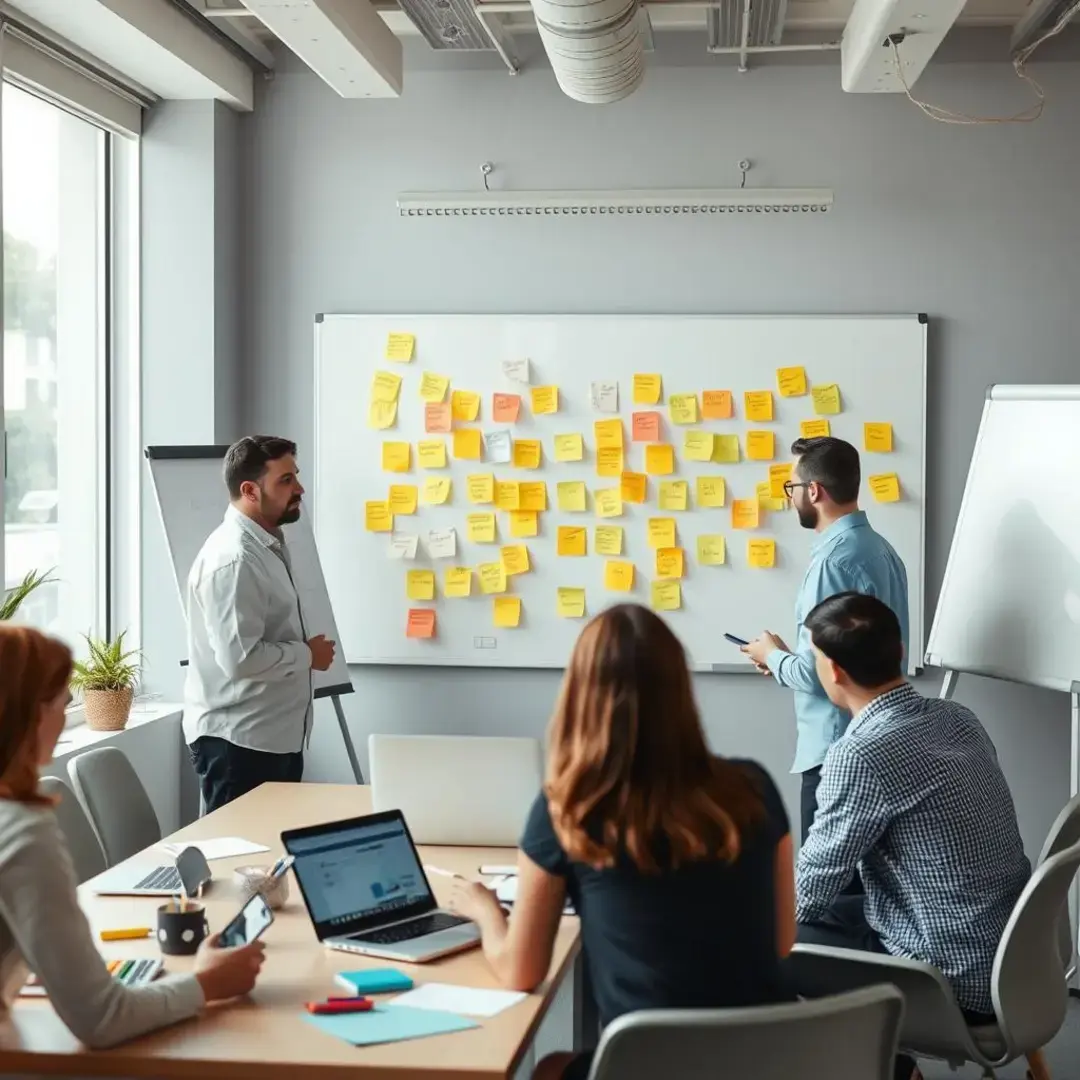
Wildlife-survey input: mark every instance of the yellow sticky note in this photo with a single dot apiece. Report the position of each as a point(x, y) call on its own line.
point(716, 404)
point(674, 494)
point(607, 539)
point(457, 581)
point(481, 487)
point(758, 405)
point(609, 461)
point(572, 540)
point(469, 444)
point(515, 559)
point(572, 497)
point(533, 495)
point(506, 611)
point(791, 381)
point(433, 387)
point(661, 532)
point(527, 453)
point(760, 445)
point(619, 576)
point(726, 449)
point(385, 386)
point(432, 453)
point(765, 498)
point(609, 433)
point(647, 389)
point(481, 528)
point(878, 438)
point(659, 459)
point(608, 502)
point(382, 414)
point(698, 445)
point(814, 429)
point(710, 550)
point(523, 523)
point(885, 487)
point(492, 577)
point(400, 347)
point(507, 495)
point(745, 513)
point(420, 584)
point(570, 603)
point(669, 562)
point(545, 399)
point(403, 498)
point(683, 408)
point(711, 491)
point(569, 448)
point(779, 475)
point(436, 490)
point(826, 399)
point(761, 554)
point(666, 596)
point(465, 405)
point(633, 486)
point(396, 456)
point(377, 517)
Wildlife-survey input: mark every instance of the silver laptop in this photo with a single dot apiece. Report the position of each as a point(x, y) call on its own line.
point(366, 891)
point(186, 875)
point(468, 790)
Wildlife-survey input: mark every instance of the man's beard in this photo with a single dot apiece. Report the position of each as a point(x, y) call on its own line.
point(290, 514)
point(808, 517)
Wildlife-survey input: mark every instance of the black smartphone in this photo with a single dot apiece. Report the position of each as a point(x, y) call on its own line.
point(736, 640)
point(249, 925)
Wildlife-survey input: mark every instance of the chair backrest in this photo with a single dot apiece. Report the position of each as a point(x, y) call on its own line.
point(86, 854)
point(848, 1037)
point(1028, 981)
point(116, 802)
point(1063, 834)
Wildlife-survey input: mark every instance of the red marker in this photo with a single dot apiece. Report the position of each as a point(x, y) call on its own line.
point(352, 1005)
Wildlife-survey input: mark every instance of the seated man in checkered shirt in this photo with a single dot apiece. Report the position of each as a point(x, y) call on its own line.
point(913, 796)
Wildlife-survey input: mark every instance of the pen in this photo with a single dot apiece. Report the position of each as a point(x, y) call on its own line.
point(126, 935)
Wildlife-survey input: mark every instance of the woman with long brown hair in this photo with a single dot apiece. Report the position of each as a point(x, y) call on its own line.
point(42, 928)
point(679, 863)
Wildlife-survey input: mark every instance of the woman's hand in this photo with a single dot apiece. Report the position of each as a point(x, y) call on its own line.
point(474, 900)
point(227, 973)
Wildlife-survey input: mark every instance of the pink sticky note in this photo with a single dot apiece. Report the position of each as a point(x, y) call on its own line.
point(421, 623)
point(437, 416)
point(646, 427)
point(505, 408)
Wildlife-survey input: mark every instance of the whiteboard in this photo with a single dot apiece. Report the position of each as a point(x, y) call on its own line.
point(192, 499)
point(1010, 601)
point(878, 362)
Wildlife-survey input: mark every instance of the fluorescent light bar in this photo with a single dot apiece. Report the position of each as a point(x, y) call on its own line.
point(667, 201)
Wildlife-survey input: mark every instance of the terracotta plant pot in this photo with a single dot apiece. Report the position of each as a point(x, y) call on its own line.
point(107, 710)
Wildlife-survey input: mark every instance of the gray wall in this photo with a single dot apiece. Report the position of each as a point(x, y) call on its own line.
point(977, 226)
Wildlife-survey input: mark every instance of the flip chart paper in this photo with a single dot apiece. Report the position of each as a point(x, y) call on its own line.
point(481, 488)
point(545, 400)
point(523, 523)
point(569, 447)
point(527, 453)
point(420, 584)
point(608, 539)
point(437, 416)
point(666, 596)
point(760, 445)
point(505, 408)
point(516, 370)
point(377, 517)
point(481, 528)
point(619, 576)
point(683, 408)
point(492, 577)
point(717, 404)
point(711, 491)
point(385, 386)
point(647, 389)
point(608, 502)
point(420, 623)
point(779, 475)
point(726, 449)
point(877, 438)
point(605, 396)
point(572, 497)
point(382, 415)
point(710, 550)
point(633, 486)
point(507, 495)
point(744, 514)
point(814, 429)
point(436, 490)
point(468, 444)
point(570, 603)
point(659, 459)
point(758, 405)
point(608, 434)
point(645, 427)
point(465, 405)
point(442, 543)
point(661, 532)
point(698, 445)
point(669, 563)
point(498, 447)
point(432, 453)
point(761, 554)
point(791, 381)
point(609, 461)
point(885, 487)
point(403, 498)
point(826, 399)
point(571, 540)
point(515, 559)
point(396, 456)
point(674, 495)
point(399, 347)
point(506, 611)
point(533, 494)
point(433, 387)
point(403, 546)
point(457, 581)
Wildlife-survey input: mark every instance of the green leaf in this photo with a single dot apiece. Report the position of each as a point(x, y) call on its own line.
point(109, 666)
point(14, 598)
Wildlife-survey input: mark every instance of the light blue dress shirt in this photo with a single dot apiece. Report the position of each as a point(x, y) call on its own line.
point(847, 556)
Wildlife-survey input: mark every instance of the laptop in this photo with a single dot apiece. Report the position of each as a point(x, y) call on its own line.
point(367, 893)
point(464, 790)
point(187, 875)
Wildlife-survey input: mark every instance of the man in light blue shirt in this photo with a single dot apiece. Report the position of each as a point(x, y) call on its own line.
point(847, 556)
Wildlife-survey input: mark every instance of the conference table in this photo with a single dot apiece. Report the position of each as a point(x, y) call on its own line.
point(265, 1036)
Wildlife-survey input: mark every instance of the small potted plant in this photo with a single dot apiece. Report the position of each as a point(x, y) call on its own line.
point(106, 681)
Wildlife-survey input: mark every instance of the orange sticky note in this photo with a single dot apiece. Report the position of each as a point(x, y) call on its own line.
point(527, 453)
point(716, 404)
point(791, 381)
point(437, 416)
point(608, 434)
point(465, 405)
point(545, 399)
point(761, 554)
point(632, 487)
point(669, 562)
point(760, 445)
point(659, 459)
point(878, 438)
point(744, 513)
point(815, 429)
point(420, 623)
point(646, 427)
point(571, 540)
point(468, 444)
point(759, 405)
point(505, 408)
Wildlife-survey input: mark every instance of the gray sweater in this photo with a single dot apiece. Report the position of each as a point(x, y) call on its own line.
point(43, 928)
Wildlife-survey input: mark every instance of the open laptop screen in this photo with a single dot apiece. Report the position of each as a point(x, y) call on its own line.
point(359, 873)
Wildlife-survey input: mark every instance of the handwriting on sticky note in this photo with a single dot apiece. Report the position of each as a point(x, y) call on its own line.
point(569, 447)
point(481, 528)
point(403, 498)
point(885, 487)
point(465, 405)
point(760, 445)
point(619, 576)
point(683, 408)
point(468, 444)
point(674, 494)
point(666, 595)
point(396, 456)
point(516, 370)
point(608, 539)
point(645, 427)
point(524, 523)
point(791, 381)
point(506, 611)
point(698, 445)
point(527, 453)
point(633, 487)
point(507, 495)
point(399, 347)
point(779, 475)
point(826, 399)
point(436, 490)
point(659, 459)
point(608, 502)
point(403, 546)
point(661, 532)
point(385, 386)
point(457, 581)
point(505, 408)
point(605, 396)
point(669, 562)
point(498, 447)
point(378, 517)
point(745, 513)
point(716, 404)
point(814, 429)
point(711, 491)
point(647, 389)
point(420, 584)
point(878, 438)
point(571, 540)
point(570, 603)
point(515, 559)
point(609, 461)
point(572, 496)
point(433, 387)
point(420, 623)
point(492, 577)
point(761, 554)
point(608, 433)
point(710, 550)
point(726, 449)
point(432, 453)
point(382, 415)
point(758, 405)
point(545, 400)
point(442, 543)
point(532, 495)
point(437, 416)
point(481, 487)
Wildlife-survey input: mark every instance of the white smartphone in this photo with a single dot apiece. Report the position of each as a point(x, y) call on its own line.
point(249, 925)
point(499, 871)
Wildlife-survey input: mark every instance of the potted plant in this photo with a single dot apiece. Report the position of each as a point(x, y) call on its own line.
point(14, 598)
point(106, 680)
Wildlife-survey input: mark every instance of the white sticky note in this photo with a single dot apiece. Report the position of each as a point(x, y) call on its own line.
point(605, 397)
point(516, 370)
point(498, 447)
point(403, 546)
point(469, 1000)
point(442, 543)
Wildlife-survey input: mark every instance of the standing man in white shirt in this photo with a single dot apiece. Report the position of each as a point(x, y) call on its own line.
point(248, 693)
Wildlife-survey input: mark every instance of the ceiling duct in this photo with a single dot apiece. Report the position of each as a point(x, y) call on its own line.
point(596, 47)
point(447, 24)
point(724, 23)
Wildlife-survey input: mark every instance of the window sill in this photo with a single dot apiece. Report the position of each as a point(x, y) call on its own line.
point(77, 736)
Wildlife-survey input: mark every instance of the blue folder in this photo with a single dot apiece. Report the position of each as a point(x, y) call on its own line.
point(393, 1023)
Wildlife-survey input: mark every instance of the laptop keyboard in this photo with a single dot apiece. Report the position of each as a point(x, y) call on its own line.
point(414, 928)
point(163, 877)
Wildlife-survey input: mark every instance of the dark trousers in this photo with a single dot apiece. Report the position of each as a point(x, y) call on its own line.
point(227, 771)
point(808, 811)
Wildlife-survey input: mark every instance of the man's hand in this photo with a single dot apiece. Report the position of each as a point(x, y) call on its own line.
point(322, 652)
point(758, 650)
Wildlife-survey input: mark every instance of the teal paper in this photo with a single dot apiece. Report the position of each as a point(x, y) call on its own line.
point(389, 1024)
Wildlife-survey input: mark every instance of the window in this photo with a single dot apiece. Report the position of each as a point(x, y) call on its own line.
point(55, 362)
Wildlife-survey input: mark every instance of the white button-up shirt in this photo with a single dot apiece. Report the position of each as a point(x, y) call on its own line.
point(249, 669)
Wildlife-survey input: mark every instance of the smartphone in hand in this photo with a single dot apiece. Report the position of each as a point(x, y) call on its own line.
point(249, 925)
point(736, 640)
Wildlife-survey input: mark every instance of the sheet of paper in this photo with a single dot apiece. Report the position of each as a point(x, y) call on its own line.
point(433, 387)
point(761, 554)
point(669, 562)
point(760, 445)
point(726, 450)
point(814, 429)
point(506, 611)
point(403, 546)
point(457, 581)
point(385, 386)
point(779, 475)
point(717, 404)
point(647, 389)
point(523, 523)
point(674, 495)
point(683, 408)
point(532, 495)
point(609, 461)
point(399, 347)
point(608, 434)
point(507, 495)
point(480, 528)
point(711, 491)
point(382, 415)
point(570, 603)
point(608, 502)
point(608, 539)
point(666, 596)
point(645, 427)
point(516, 370)
point(505, 408)
point(661, 532)
point(431, 453)
point(527, 453)
point(698, 445)
point(745, 513)
point(396, 456)
point(420, 623)
point(710, 550)
point(465, 405)
point(420, 584)
point(604, 396)
point(633, 487)
point(377, 517)
point(877, 438)
point(758, 405)
point(826, 399)
point(468, 444)
point(569, 448)
point(572, 540)
point(481, 488)
point(572, 497)
point(791, 381)
point(885, 487)
point(515, 559)
point(618, 576)
point(492, 577)
point(498, 447)
point(545, 400)
point(218, 847)
point(387, 1024)
point(437, 416)
point(436, 490)
point(659, 459)
point(403, 498)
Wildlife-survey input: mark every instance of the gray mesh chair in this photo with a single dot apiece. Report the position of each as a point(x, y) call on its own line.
point(116, 802)
point(1027, 983)
point(1063, 834)
point(770, 1042)
point(86, 854)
